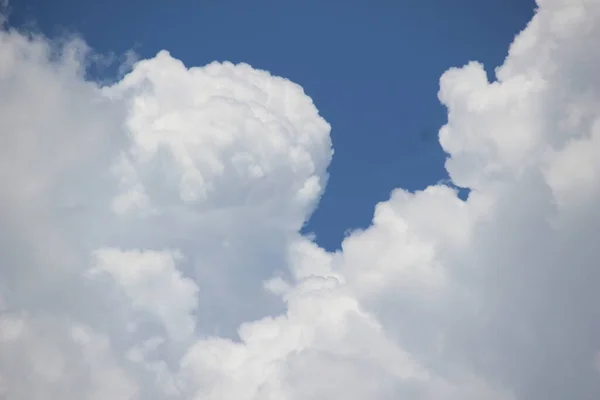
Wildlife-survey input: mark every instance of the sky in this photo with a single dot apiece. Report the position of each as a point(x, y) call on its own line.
point(157, 200)
point(376, 80)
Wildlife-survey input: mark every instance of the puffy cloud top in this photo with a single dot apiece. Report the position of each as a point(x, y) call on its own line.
point(222, 136)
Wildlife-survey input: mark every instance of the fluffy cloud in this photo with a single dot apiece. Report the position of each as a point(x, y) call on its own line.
point(154, 285)
point(150, 245)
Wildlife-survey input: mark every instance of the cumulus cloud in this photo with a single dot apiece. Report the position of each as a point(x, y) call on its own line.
point(153, 284)
point(151, 249)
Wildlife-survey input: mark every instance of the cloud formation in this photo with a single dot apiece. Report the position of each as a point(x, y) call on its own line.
point(150, 244)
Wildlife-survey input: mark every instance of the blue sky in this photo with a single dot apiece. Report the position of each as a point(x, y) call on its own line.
point(371, 67)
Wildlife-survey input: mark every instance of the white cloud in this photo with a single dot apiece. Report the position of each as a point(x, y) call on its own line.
point(494, 297)
point(48, 356)
point(154, 285)
point(224, 137)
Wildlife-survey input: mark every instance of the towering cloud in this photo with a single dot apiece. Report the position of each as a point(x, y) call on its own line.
point(150, 246)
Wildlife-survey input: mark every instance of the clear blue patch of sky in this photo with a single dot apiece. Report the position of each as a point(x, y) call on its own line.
point(372, 68)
